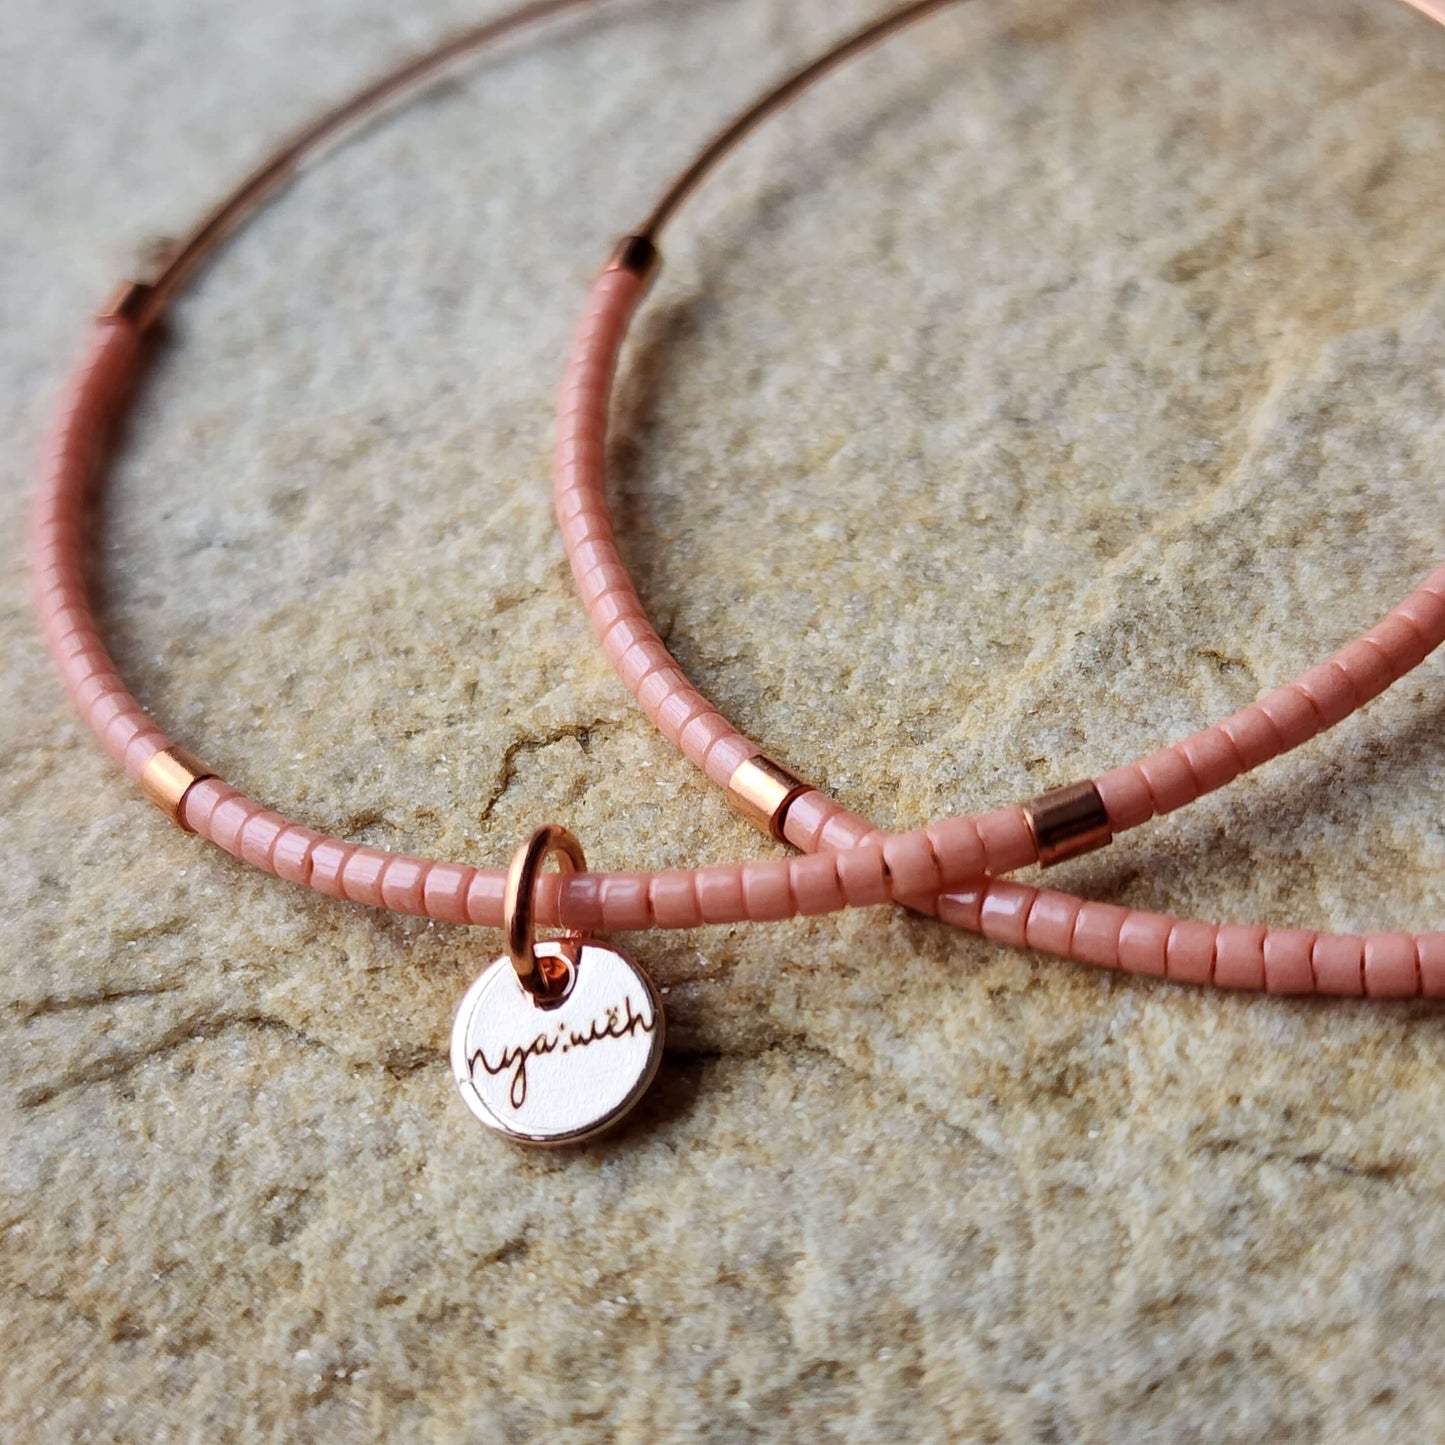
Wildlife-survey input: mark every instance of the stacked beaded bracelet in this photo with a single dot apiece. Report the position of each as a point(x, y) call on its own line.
point(557, 1040)
point(924, 867)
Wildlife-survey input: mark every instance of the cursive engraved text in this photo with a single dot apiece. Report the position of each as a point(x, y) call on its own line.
point(620, 1022)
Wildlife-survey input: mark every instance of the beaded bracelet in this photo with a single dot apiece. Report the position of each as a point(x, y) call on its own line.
point(556, 1040)
point(572, 1040)
point(924, 867)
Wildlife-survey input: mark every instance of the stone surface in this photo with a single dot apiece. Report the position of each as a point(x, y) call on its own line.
point(1043, 388)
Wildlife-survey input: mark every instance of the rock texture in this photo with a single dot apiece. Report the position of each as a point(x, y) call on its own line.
point(1046, 386)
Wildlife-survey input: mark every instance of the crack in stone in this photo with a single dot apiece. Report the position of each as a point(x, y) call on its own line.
point(166, 928)
point(124, 1061)
point(515, 1247)
point(402, 1063)
point(1377, 1171)
point(507, 769)
point(33, 1009)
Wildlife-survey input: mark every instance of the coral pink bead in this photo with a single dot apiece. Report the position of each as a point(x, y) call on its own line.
point(1171, 782)
point(642, 659)
point(201, 802)
point(574, 901)
point(361, 876)
point(1096, 933)
point(1051, 922)
point(1126, 797)
point(863, 876)
point(96, 686)
point(258, 838)
point(806, 817)
point(1369, 673)
point(227, 821)
point(674, 901)
point(1189, 954)
point(701, 733)
point(1391, 966)
point(1143, 939)
point(1288, 965)
point(547, 893)
point(658, 683)
point(1293, 715)
point(291, 853)
point(963, 908)
point(911, 864)
point(679, 709)
point(120, 732)
point(142, 748)
point(1328, 688)
point(1430, 948)
point(1424, 610)
point(816, 885)
point(595, 552)
point(614, 610)
point(1339, 964)
point(328, 858)
point(624, 634)
point(1212, 757)
point(845, 831)
point(1254, 736)
point(1008, 842)
point(445, 892)
point(725, 756)
point(1400, 641)
point(720, 893)
point(625, 902)
point(110, 707)
point(765, 892)
point(958, 846)
point(403, 885)
point(484, 897)
point(1239, 957)
point(599, 581)
point(1005, 913)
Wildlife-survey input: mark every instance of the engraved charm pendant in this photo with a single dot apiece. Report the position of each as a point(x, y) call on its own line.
point(558, 1072)
point(556, 1041)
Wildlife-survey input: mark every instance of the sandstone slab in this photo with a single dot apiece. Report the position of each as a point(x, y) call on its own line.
point(1071, 372)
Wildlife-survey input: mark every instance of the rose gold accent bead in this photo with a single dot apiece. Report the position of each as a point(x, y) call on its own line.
point(168, 776)
point(1068, 821)
point(638, 254)
point(131, 301)
point(760, 791)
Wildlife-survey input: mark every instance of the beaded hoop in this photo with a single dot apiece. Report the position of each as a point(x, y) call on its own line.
point(923, 867)
point(198, 800)
point(860, 866)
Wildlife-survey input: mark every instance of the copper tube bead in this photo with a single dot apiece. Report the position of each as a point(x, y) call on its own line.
point(130, 301)
point(1068, 821)
point(638, 254)
point(168, 776)
point(760, 790)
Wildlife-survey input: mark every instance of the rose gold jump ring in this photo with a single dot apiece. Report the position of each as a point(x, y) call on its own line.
point(519, 898)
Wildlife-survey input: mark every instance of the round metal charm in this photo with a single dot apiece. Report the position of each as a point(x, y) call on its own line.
point(558, 1071)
